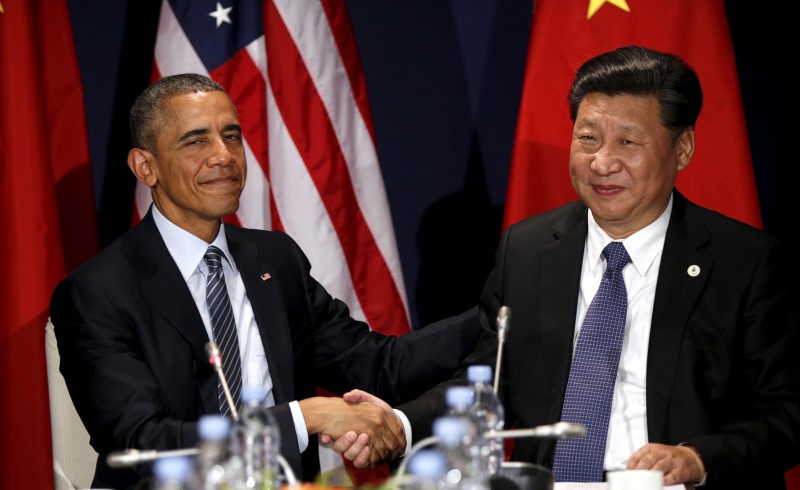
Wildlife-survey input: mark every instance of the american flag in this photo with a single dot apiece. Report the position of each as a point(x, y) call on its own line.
point(293, 72)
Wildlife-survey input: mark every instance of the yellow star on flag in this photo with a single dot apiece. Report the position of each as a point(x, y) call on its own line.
point(1, 9)
point(594, 6)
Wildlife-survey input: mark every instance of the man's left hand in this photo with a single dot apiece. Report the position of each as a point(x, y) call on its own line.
point(680, 464)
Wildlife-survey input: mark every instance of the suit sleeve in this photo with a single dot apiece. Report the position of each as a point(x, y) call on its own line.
point(347, 354)
point(422, 411)
point(762, 438)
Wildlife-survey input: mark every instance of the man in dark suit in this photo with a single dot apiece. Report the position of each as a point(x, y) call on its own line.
point(132, 323)
point(707, 385)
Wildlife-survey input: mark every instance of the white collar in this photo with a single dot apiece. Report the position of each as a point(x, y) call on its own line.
point(643, 246)
point(187, 250)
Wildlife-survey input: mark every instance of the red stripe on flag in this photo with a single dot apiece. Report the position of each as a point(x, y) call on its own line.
point(307, 122)
point(339, 21)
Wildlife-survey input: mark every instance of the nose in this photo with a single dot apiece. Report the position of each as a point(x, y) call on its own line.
point(221, 153)
point(605, 161)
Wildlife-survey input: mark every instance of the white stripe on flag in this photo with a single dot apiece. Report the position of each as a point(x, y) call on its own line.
point(299, 206)
point(309, 28)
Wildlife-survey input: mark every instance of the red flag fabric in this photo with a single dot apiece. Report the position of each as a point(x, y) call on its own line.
point(564, 34)
point(294, 74)
point(44, 165)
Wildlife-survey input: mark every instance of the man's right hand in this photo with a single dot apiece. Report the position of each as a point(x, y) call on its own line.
point(340, 420)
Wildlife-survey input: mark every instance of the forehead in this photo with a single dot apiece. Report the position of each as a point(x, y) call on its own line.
point(631, 109)
point(199, 108)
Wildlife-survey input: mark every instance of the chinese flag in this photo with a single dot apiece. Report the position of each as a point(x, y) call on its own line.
point(564, 34)
point(48, 217)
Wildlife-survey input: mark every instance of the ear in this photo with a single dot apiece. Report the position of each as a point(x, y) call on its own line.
point(684, 148)
point(141, 164)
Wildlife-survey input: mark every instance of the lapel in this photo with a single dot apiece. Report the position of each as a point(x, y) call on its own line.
point(676, 293)
point(269, 310)
point(558, 284)
point(163, 286)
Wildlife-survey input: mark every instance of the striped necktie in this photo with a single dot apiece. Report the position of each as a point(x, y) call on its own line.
point(223, 327)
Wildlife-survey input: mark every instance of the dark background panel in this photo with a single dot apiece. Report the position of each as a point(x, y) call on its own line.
point(444, 80)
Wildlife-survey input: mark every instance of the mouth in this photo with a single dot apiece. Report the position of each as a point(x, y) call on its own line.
point(606, 189)
point(223, 180)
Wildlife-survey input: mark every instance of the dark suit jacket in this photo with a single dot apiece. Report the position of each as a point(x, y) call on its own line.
point(722, 369)
point(132, 346)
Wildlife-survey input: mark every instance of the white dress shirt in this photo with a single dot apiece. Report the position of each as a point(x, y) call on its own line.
point(627, 430)
point(188, 250)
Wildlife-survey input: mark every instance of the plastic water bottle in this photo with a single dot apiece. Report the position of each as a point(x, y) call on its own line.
point(459, 402)
point(213, 432)
point(172, 473)
point(456, 443)
point(256, 443)
point(489, 414)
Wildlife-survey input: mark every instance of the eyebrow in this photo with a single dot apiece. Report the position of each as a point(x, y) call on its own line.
point(202, 131)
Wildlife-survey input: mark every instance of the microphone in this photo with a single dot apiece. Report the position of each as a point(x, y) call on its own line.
point(130, 457)
point(215, 358)
point(503, 320)
point(559, 430)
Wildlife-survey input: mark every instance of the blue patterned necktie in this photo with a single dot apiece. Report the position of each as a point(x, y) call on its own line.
point(595, 362)
point(223, 327)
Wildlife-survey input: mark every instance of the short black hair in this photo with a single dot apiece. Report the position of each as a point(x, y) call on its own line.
point(636, 70)
point(145, 117)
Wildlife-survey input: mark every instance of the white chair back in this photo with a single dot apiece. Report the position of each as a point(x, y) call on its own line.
point(73, 458)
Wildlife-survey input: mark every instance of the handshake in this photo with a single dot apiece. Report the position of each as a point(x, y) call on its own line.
point(360, 426)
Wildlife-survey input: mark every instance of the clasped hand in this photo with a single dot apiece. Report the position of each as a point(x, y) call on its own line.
point(360, 426)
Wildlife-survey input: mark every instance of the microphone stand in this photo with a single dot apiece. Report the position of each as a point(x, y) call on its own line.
point(559, 430)
point(131, 457)
point(503, 320)
point(215, 359)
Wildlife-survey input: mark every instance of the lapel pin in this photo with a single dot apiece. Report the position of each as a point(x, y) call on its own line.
point(265, 276)
point(693, 270)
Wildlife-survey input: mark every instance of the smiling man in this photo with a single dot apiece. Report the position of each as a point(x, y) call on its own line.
point(132, 323)
point(667, 329)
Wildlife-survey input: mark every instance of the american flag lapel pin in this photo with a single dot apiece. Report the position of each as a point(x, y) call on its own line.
point(266, 276)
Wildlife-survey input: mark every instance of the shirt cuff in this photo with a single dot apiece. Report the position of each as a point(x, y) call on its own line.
point(702, 482)
point(300, 427)
point(406, 428)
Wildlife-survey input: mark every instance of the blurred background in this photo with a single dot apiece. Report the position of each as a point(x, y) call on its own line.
point(444, 79)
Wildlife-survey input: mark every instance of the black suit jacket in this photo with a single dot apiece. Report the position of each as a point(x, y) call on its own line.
point(722, 369)
point(132, 346)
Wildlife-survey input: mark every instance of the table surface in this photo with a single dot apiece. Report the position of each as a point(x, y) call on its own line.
point(604, 486)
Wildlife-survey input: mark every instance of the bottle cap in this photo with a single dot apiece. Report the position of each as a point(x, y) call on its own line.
point(428, 464)
point(449, 429)
point(459, 396)
point(479, 372)
point(175, 468)
point(253, 393)
point(212, 427)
